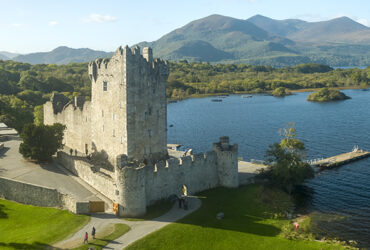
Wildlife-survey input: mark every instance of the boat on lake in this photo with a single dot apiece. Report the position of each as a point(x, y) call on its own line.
point(216, 100)
point(246, 96)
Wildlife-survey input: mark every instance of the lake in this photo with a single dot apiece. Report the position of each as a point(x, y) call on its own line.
point(327, 129)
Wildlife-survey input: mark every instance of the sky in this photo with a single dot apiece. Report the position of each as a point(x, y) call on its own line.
point(41, 25)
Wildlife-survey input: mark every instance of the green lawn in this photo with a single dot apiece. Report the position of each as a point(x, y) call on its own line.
point(253, 220)
point(100, 242)
point(154, 211)
point(30, 227)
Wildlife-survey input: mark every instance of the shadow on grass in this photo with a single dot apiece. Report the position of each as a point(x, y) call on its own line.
point(33, 246)
point(242, 212)
point(3, 215)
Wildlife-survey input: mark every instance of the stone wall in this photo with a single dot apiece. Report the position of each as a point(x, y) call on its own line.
point(103, 183)
point(76, 116)
point(129, 105)
point(29, 194)
point(36, 195)
point(143, 186)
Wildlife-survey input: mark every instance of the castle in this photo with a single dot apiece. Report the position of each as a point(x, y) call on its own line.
point(125, 126)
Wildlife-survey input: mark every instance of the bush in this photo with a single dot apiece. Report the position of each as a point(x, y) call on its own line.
point(41, 142)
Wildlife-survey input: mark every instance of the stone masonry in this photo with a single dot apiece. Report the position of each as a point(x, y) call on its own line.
point(125, 124)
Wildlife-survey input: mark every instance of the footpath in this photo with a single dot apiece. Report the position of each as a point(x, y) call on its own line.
point(139, 229)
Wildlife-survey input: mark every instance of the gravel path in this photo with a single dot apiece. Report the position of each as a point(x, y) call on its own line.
point(139, 229)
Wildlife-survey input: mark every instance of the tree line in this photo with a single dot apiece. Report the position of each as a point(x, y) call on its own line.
point(24, 87)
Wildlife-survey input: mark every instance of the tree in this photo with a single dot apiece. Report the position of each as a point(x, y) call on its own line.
point(287, 167)
point(41, 142)
point(38, 115)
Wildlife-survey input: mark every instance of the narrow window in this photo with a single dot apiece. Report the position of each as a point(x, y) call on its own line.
point(114, 133)
point(121, 104)
point(150, 110)
point(145, 116)
point(121, 140)
point(102, 113)
point(150, 133)
point(105, 86)
point(113, 117)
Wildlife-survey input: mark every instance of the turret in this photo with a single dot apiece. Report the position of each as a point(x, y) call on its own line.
point(227, 162)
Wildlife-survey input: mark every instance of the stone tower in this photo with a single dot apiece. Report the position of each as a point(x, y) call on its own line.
point(128, 105)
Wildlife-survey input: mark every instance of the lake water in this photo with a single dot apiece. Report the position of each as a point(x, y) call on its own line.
point(327, 129)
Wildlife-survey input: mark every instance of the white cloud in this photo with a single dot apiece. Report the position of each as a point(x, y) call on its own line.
point(99, 18)
point(17, 24)
point(53, 23)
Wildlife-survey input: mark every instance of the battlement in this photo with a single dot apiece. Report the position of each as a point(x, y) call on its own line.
point(60, 102)
point(223, 145)
point(128, 56)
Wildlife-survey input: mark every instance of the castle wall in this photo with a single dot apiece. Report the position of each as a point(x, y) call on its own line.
point(36, 195)
point(87, 172)
point(77, 120)
point(129, 105)
point(196, 172)
point(146, 106)
point(108, 109)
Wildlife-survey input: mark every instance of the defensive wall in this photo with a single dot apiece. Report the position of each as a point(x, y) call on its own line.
point(136, 187)
point(36, 195)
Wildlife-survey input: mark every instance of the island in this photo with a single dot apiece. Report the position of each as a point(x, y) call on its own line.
point(327, 95)
point(281, 92)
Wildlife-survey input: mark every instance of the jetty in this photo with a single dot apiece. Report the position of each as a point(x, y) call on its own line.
point(339, 160)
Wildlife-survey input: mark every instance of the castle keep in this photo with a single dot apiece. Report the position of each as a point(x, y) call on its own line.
point(124, 127)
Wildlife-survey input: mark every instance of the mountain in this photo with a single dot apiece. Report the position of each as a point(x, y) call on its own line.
point(62, 55)
point(277, 27)
point(8, 55)
point(338, 30)
point(220, 38)
point(257, 40)
point(3, 57)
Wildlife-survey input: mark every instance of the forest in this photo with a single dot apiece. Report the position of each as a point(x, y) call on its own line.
point(25, 87)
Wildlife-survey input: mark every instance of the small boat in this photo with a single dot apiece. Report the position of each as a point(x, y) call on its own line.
point(216, 100)
point(246, 96)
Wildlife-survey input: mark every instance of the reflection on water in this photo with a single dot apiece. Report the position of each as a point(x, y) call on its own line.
point(327, 129)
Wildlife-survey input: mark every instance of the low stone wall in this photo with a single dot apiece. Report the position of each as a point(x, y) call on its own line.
point(29, 194)
point(36, 195)
point(87, 172)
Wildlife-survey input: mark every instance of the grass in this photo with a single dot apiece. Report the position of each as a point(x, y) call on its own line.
point(254, 219)
point(99, 243)
point(154, 211)
point(30, 227)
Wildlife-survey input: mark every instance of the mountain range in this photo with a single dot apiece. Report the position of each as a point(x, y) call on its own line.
point(257, 40)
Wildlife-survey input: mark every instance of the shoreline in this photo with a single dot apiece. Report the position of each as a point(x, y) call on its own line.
point(170, 100)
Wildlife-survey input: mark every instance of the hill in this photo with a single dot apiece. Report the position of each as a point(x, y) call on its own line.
point(338, 30)
point(262, 40)
point(62, 55)
point(220, 38)
point(8, 55)
point(3, 57)
point(258, 40)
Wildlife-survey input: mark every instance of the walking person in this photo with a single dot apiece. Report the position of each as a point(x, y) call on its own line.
point(93, 232)
point(86, 238)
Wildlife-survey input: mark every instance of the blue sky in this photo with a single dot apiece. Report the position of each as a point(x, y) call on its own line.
point(42, 25)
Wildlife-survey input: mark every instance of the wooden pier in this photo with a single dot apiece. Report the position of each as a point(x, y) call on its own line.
point(342, 159)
